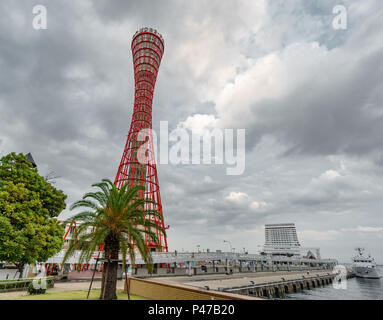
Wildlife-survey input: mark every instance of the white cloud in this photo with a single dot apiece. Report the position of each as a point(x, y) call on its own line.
point(362, 229)
point(199, 123)
point(174, 189)
point(272, 77)
point(207, 179)
point(329, 175)
point(327, 235)
point(316, 235)
point(255, 205)
point(237, 196)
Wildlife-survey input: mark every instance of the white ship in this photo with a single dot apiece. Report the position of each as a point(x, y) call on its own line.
point(364, 266)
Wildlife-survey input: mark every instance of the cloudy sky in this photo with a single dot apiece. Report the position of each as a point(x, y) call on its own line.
point(309, 96)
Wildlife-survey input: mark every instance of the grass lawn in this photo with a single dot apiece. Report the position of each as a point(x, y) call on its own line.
point(72, 295)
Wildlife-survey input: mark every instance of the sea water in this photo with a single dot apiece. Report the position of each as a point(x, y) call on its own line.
point(356, 289)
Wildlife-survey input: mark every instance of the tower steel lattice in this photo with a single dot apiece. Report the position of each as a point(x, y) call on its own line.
point(147, 49)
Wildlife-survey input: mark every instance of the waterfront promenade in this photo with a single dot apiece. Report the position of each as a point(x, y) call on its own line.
point(202, 280)
point(255, 279)
point(65, 286)
point(260, 284)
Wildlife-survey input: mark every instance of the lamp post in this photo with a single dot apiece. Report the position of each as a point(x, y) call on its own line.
point(198, 246)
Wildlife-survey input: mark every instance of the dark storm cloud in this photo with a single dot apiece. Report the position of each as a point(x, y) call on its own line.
point(332, 102)
point(338, 120)
point(336, 109)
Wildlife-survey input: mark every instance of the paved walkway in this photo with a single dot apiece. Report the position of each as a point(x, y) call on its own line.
point(229, 281)
point(204, 277)
point(214, 281)
point(65, 286)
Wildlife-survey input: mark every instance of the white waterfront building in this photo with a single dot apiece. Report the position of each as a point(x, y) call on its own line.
point(281, 239)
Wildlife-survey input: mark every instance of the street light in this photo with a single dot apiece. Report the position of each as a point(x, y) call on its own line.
point(198, 246)
point(231, 250)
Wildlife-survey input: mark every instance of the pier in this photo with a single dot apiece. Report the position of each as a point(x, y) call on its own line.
point(263, 284)
point(266, 285)
point(279, 286)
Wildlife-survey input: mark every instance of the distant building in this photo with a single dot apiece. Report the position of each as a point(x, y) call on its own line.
point(31, 160)
point(310, 255)
point(281, 239)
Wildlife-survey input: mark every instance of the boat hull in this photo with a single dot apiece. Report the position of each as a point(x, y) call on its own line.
point(366, 273)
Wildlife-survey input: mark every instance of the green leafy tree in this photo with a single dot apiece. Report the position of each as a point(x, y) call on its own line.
point(26, 234)
point(16, 168)
point(28, 203)
point(117, 219)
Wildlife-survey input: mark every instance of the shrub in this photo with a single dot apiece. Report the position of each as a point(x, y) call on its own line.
point(32, 290)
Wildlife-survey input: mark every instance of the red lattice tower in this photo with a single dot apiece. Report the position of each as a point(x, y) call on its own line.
point(147, 49)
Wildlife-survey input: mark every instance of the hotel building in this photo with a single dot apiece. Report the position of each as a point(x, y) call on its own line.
point(281, 239)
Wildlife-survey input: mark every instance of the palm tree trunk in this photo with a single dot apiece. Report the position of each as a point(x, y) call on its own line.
point(103, 280)
point(112, 247)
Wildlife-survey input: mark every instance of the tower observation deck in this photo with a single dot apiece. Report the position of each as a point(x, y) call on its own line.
point(138, 165)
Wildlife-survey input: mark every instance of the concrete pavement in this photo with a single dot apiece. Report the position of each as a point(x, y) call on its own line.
point(237, 280)
point(65, 286)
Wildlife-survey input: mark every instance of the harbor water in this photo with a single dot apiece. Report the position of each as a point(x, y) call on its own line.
point(357, 289)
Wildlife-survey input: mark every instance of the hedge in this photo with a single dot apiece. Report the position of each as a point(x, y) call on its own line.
point(22, 284)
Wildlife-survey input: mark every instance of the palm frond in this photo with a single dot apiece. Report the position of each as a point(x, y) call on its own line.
point(123, 213)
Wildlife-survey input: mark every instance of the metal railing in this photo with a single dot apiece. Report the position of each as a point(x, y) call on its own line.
point(184, 257)
point(276, 283)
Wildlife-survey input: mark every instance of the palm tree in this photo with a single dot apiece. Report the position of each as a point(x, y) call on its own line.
point(118, 220)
